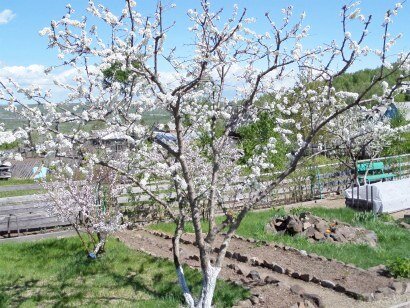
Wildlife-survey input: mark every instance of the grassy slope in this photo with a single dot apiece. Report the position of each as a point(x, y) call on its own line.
point(393, 241)
point(57, 273)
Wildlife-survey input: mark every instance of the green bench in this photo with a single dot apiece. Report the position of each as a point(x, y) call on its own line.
point(375, 174)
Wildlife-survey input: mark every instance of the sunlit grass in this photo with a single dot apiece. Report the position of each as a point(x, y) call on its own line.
point(57, 273)
point(393, 241)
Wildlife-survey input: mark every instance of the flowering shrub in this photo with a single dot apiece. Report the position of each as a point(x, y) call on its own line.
point(89, 203)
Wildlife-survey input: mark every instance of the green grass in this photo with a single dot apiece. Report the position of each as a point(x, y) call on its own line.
point(394, 241)
point(22, 192)
point(13, 181)
point(57, 273)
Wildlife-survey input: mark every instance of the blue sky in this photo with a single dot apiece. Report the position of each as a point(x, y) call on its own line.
point(21, 44)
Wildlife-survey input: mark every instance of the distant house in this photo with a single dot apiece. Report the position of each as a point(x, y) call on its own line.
point(116, 141)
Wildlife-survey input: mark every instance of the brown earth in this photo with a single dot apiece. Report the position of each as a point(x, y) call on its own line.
point(278, 293)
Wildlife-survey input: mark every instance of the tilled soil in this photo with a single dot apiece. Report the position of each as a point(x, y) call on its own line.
point(271, 295)
point(359, 280)
point(279, 293)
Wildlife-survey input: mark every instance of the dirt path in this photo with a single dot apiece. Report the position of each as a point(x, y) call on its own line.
point(279, 293)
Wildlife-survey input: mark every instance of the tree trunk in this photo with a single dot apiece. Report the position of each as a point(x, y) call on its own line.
point(210, 276)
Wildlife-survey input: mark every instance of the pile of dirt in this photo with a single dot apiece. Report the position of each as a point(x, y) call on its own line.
point(318, 229)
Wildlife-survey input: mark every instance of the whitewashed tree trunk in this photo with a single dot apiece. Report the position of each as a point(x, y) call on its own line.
point(210, 276)
point(208, 287)
point(185, 290)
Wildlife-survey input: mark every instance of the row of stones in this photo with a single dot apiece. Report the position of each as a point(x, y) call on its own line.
point(309, 300)
point(395, 287)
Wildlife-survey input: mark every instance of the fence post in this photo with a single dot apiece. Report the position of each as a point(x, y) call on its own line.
point(319, 182)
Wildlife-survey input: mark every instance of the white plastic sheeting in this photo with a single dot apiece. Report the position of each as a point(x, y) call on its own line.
point(388, 197)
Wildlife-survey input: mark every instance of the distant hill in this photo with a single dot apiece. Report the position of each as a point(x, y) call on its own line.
point(358, 81)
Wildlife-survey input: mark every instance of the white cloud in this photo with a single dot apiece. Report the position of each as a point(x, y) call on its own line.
point(33, 75)
point(6, 16)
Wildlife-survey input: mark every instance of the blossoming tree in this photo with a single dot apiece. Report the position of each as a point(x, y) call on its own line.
point(209, 90)
point(360, 132)
point(88, 200)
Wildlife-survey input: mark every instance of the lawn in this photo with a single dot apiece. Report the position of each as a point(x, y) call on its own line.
point(55, 273)
point(394, 241)
point(15, 181)
point(22, 192)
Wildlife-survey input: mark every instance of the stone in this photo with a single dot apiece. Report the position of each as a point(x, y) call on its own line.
point(301, 305)
point(267, 264)
point(397, 286)
point(339, 288)
point(380, 269)
point(306, 225)
point(241, 270)
point(309, 304)
point(328, 284)
point(316, 299)
point(254, 300)
point(245, 303)
point(321, 226)
point(255, 261)
point(305, 277)
point(297, 289)
point(303, 252)
point(352, 294)
point(378, 296)
point(294, 226)
point(404, 225)
point(336, 237)
point(368, 297)
point(406, 287)
point(254, 275)
point(271, 280)
point(279, 269)
point(289, 271)
point(295, 275)
point(194, 257)
point(310, 232)
point(315, 279)
point(385, 291)
point(318, 236)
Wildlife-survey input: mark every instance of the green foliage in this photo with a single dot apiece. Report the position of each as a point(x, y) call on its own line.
point(400, 267)
point(116, 73)
point(259, 133)
point(361, 217)
point(401, 143)
point(10, 146)
point(57, 273)
point(359, 81)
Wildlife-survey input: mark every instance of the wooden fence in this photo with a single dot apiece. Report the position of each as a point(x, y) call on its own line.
point(303, 185)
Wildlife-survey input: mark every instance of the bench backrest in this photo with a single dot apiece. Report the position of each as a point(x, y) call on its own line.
point(361, 168)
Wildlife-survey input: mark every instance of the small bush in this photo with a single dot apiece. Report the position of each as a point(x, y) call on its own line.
point(400, 267)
